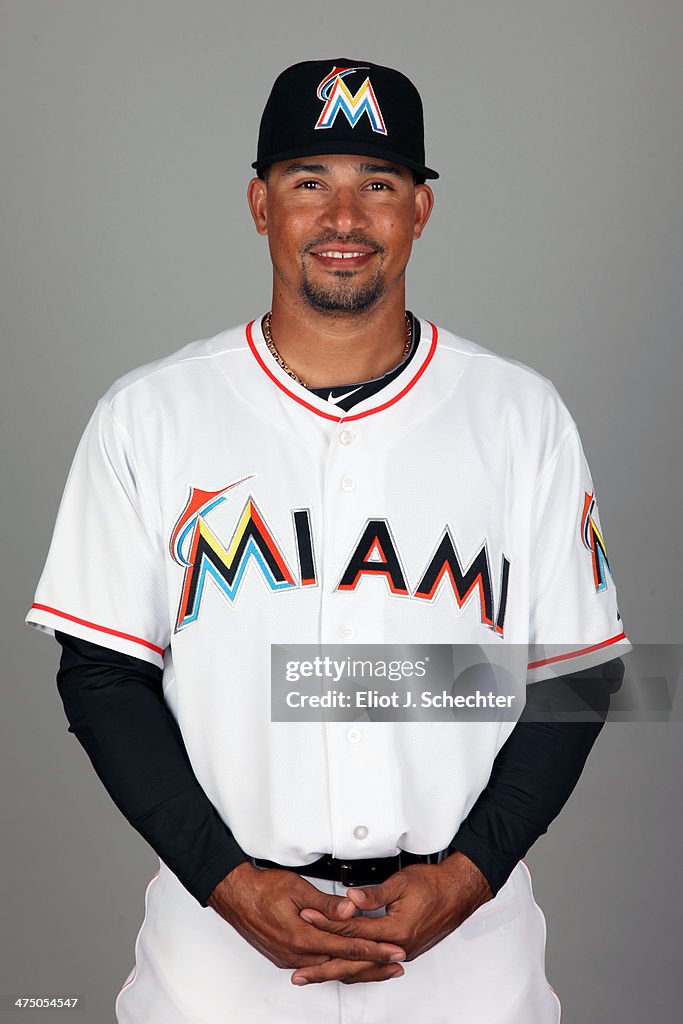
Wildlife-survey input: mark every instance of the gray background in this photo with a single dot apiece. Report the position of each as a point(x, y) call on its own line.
point(127, 133)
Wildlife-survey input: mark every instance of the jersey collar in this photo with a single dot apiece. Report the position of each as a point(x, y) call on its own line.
point(387, 397)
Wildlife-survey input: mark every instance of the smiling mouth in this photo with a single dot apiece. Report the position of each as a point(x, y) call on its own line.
point(349, 259)
point(336, 254)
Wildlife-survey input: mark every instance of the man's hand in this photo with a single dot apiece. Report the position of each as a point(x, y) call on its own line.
point(424, 903)
point(264, 907)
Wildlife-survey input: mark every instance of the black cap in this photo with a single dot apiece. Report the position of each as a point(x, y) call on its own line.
point(343, 106)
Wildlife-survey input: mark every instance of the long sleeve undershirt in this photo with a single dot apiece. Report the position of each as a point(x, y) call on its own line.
point(115, 707)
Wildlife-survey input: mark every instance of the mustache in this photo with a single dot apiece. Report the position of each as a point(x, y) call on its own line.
point(354, 238)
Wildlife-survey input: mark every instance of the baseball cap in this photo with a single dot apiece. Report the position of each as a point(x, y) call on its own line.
point(343, 106)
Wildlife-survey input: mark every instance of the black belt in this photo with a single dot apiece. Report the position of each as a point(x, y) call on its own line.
point(354, 872)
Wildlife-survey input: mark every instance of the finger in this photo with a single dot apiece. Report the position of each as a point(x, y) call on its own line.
point(377, 929)
point(372, 897)
point(379, 972)
point(340, 910)
point(319, 940)
point(344, 970)
point(300, 961)
point(336, 908)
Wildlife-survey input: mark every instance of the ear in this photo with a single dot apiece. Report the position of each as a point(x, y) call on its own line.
point(424, 204)
point(257, 192)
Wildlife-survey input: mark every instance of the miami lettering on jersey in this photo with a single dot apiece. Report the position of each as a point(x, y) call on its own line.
point(593, 541)
point(337, 97)
point(196, 547)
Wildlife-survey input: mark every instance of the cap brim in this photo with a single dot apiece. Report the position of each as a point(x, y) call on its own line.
point(343, 146)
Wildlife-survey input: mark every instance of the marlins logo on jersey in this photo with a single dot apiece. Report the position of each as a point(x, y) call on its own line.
point(197, 548)
point(593, 540)
point(337, 97)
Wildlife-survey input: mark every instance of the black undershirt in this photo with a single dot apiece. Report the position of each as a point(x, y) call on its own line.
point(365, 389)
point(116, 709)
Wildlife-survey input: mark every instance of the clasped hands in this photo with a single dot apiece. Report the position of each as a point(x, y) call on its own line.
point(325, 938)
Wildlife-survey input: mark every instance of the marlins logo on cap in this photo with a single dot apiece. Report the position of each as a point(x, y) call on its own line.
point(340, 96)
point(336, 95)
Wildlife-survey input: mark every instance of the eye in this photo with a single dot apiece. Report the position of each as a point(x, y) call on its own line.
point(309, 184)
point(379, 186)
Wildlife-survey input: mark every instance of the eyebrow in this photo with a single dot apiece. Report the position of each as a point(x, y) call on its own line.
point(323, 169)
point(379, 169)
point(305, 169)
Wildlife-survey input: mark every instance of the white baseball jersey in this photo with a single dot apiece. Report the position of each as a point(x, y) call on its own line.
point(215, 507)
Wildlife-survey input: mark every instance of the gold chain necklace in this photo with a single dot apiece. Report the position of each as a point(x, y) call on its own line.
point(265, 324)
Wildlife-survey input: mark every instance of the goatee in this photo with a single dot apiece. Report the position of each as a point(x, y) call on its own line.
point(350, 299)
point(341, 296)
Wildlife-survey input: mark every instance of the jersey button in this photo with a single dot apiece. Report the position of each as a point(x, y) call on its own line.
point(346, 437)
point(354, 735)
point(348, 484)
point(348, 632)
point(360, 832)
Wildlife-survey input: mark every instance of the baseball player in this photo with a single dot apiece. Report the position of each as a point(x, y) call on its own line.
point(337, 470)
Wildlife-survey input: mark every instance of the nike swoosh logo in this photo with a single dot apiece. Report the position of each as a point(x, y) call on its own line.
point(339, 398)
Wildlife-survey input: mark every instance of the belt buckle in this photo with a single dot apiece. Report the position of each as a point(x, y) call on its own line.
point(357, 873)
point(368, 872)
point(345, 874)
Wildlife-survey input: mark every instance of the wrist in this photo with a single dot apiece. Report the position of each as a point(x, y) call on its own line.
point(462, 872)
point(236, 875)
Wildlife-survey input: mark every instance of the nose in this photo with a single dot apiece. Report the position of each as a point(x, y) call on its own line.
point(344, 211)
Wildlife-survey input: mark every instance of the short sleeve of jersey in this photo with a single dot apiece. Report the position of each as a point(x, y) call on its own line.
point(104, 578)
point(574, 619)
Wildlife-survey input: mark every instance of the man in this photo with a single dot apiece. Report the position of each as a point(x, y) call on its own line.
point(337, 471)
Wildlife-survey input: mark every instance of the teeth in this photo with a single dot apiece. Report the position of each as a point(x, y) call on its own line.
point(342, 255)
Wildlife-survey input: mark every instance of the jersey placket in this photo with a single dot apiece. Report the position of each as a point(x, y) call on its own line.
point(362, 800)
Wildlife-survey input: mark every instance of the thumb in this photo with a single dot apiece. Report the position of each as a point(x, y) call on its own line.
point(335, 908)
point(372, 897)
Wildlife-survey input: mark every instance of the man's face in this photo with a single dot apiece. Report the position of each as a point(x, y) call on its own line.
point(340, 227)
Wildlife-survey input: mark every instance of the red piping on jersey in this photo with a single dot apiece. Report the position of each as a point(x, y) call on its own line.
point(577, 654)
point(331, 416)
point(128, 983)
point(102, 629)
